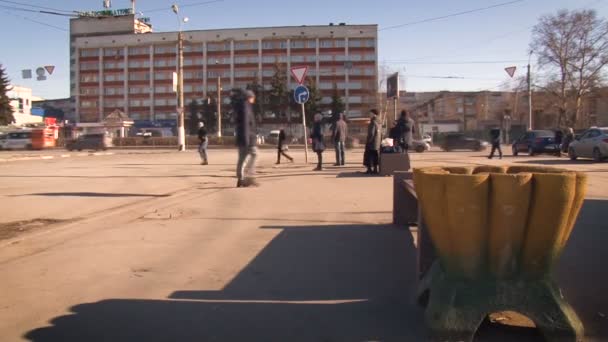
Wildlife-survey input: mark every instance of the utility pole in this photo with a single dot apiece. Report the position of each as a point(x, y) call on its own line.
point(181, 131)
point(219, 104)
point(529, 93)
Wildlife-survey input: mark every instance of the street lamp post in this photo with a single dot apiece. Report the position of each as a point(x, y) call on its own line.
point(219, 102)
point(181, 131)
point(529, 92)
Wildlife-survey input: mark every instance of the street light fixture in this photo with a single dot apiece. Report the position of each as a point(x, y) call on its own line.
point(181, 131)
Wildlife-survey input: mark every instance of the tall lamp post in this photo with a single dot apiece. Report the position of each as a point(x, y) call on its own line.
point(181, 131)
point(219, 101)
point(529, 78)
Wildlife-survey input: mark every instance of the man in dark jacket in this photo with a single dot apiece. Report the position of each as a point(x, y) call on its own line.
point(339, 137)
point(406, 131)
point(202, 143)
point(495, 135)
point(246, 137)
point(373, 142)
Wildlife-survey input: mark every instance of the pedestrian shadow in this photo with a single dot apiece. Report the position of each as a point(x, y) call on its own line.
point(310, 283)
point(357, 174)
point(556, 162)
point(91, 194)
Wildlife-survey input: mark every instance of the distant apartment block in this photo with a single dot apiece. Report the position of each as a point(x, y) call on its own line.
point(117, 63)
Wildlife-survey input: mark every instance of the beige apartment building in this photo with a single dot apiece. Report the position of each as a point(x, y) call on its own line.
point(119, 63)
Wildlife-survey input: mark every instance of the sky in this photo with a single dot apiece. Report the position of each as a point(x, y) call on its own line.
point(472, 49)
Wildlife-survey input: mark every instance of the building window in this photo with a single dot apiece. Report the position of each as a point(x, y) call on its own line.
point(188, 62)
point(311, 58)
point(326, 58)
point(326, 43)
point(355, 58)
point(188, 88)
point(160, 102)
point(113, 52)
point(369, 57)
point(354, 99)
point(212, 87)
point(340, 58)
point(312, 43)
point(369, 71)
point(89, 53)
point(251, 45)
point(89, 78)
point(193, 47)
point(283, 44)
point(283, 59)
point(163, 76)
point(268, 73)
point(138, 50)
point(355, 43)
point(89, 91)
point(135, 103)
point(297, 58)
point(370, 43)
point(326, 100)
point(172, 102)
point(165, 49)
point(355, 85)
point(325, 85)
point(297, 44)
point(340, 43)
point(269, 59)
point(140, 76)
point(89, 66)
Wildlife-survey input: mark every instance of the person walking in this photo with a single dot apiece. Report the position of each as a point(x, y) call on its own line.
point(203, 143)
point(282, 147)
point(372, 144)
point(339, 137)
point(406, 131)
point(246, 137)
point(568, 139)
point(495, 136)
point(318, 146)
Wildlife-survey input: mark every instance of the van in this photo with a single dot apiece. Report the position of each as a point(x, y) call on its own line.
point(98, 141)
point(18, 140)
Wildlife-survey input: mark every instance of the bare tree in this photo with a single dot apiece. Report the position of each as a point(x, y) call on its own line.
point(572, 48)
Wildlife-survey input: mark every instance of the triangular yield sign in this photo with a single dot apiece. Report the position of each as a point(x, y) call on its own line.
point(299, 73)
point(511, 71)
point(49, 69)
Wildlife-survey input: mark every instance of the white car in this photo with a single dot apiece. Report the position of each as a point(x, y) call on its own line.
point(592, 144)
point(18, 140)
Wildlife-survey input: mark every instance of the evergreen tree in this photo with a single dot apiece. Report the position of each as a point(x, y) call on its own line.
point(278, 94)
point(194, 109)
point(337, 105)
point(6, 110)
point(208, 110)
point(260, 98)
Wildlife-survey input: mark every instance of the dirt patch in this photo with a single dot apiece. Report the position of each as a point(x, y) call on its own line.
point(12, 229)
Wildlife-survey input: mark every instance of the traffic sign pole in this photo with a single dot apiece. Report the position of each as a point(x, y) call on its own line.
point(305, 134)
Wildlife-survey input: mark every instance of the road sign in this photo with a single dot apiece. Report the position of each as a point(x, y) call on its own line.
point(301, 94)
point(26, 73)
point(40, 72)
point(299, 73)
point(49, 69)
point(392, 86)
point(511, 71)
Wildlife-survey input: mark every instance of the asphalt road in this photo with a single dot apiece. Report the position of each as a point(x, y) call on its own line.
point(152, 246)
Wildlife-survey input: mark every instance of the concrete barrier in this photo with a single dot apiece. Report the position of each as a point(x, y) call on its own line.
point(497, 232)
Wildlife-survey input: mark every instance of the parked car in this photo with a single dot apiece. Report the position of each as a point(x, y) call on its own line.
point(18, 140)
point(273, 137)
point(90, 142)
point(420, 146)
point(536, 142)
point(591, 144)
point(459, 141)
point(2, 140)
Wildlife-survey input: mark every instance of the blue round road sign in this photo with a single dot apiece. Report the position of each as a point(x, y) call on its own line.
point(301, 94)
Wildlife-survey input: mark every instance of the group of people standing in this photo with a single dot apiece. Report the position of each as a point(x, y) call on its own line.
point(246, 139)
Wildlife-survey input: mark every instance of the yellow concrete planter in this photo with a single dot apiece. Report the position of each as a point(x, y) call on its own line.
point(501, 225)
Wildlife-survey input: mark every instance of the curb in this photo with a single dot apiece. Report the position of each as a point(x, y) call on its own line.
point(57, 157)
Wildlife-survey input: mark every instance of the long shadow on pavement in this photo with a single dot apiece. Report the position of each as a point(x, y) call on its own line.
point(92, 194)
point(310, 283)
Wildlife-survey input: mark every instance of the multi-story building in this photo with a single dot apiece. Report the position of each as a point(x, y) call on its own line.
point(125, 67)
point(21, 99)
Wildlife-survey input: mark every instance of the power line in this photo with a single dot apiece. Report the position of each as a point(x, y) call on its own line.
point(36, 21)
point(451, 15)
point(182, 6)
point(12, 8)
point(451, 77)
point(34, 6)
point(454, 63)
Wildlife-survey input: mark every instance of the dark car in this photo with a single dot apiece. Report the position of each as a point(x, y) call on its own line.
point(536, 142)
point(90, 142)
point(459, 141)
